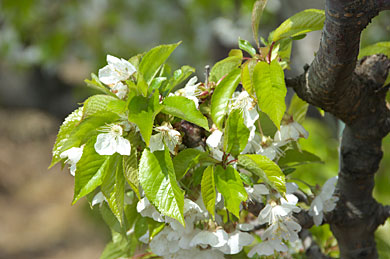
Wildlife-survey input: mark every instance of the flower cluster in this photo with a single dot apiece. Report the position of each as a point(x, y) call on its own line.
point(175, 239)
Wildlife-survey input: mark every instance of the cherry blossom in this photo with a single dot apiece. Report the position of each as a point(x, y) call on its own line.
point(117, 70)
point(73, 156)
point(166, 136)
point(112, 141)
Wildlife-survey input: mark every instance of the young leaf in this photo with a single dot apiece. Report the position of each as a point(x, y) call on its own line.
point(178, 77)
point(158, 180)
point(187, 159)
point(222, 93)
point(97, 85)
point(224, 67)
point(266, 169)
point(295, 157)
point(97, 103)
point(113, 186)
point(236, 133)
point(267, 126)
point(229, 184)
point(142, 111)
point(298, 109)
point(268, 80)
point(130, 170)
point(66, 128)
point(247, 75)
point(153, 59)
point(236, 53)
point(257, 11)
point(185, 109)
point(379, 47)
point(246, 46)
point(90, 171)
point(208, 189)
point(300, 23)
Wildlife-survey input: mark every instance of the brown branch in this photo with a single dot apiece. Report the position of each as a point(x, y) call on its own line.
point(353, 92)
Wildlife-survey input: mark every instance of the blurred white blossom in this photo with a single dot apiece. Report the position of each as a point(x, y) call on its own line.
point(324, 202)
point(290, 132)
point(73, 156)
point(117, 70)
point(190, 91)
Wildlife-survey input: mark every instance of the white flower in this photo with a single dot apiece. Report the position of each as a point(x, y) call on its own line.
point(215, 139)
point(264, 146)
point(112, 142)
point(146, 209)
point(236, 242)
point(290, 132)
point(208, 238)
point(73, 156)
point(190, 91)
point(324, 202)
point(286, 229)
point(167, 135)
point(257, 191)
point(98, 199)
point(268, 247)
point(120, 90)
point(117, 70)
point(247, 105)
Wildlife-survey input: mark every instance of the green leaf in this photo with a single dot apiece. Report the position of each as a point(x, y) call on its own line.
point(224, 67)
point(141, 227)
point(142, 85)
point(246, 46)
point(300, 23)
point(66, 128)
point(189, 158)
point(207, 189)
point(257, 11)
point(267, 126)
point(222, 93)
point(97, 103)
point(298, 109)
point(178, 77)
point(266, 169)
point(130, 170)
point(185, 109)
point(236, 53)
point(97, 85)
point(142, 111)
point(377, 48)
point(285, 47)
point(90, 171)
point(229, 184)
point(294, 157)
point(268, 80)
point(153, 59)
point(87, 129)
point(247, 75)
point(158, 180)
point(113, 186)
point(156, 83)
point(236, 133)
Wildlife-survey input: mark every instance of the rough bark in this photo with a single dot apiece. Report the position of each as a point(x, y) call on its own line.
point(353, 92)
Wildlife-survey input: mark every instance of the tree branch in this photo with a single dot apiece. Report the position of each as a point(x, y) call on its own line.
point(383, 5)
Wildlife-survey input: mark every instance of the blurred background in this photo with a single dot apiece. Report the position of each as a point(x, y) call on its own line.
point(48, 48)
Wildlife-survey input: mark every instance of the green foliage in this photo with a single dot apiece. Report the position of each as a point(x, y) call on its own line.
point(222, 93)
point(189, 158)
point(236, 133)
point(179, 76)
point(257, 11)
point(153, 59)
point(269, 172)
point(158, 179)
point(91, 170)
point(185, 109)
point(142, 111)
point(295, 157)
point(246, 46)
point(300, 23)
point(229, 184)
point(224, 67)
point(208, 190)
point(66, 128)
point(377, 48)
point(268, 80)
point(298, 109)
